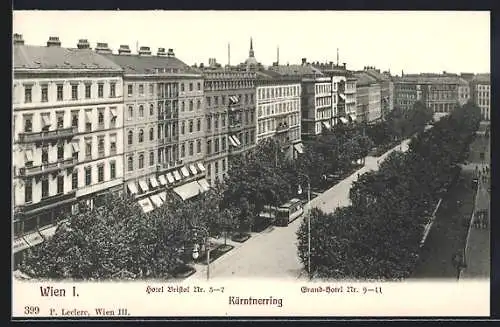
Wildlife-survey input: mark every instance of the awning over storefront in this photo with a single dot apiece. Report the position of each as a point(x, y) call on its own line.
point(177, 175)
point(132, 188)
point(170, 178)
point(193, 170)
point(200, 166)
point(33, 239)
point(188, 190)
point(143, 185)
point(28, 155)
point(76, 146)
point(236, 139)
point(48, 232)
point(146, 205)
point(344, 120)
point(185, 172)
point(204, 185)
point(45, 121)
point(156, 200)
point(163, 196)
point(299, 148)
point(153, 181)
point(232, 141)
point(19, 244)
point(162, 180)
point(113, 112)
point(353, 117)
point(342, 96)
point(234, 99)
point(327, 125)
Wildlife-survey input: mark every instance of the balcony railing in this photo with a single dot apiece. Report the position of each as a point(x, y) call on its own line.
point(47, 136)
point(45, 202)
point(46, 168)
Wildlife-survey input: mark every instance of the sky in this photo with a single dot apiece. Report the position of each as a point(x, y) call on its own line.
point(409, 41)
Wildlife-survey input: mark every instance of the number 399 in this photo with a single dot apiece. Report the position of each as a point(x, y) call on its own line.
point(31, 310)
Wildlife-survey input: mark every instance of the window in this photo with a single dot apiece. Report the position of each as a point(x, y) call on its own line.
point(183, 150)
point(151, 158)
point(112, 144)
point(28, 191)
point(60, 119)
point(130, 164)
point(141, 161)
point(45, 155)
point(216, 100)
point(198, 146)
point(198, 124)
point(190, 105)
point(59, 92)
point(141, 111)
point(209, 146)
point(88, 148)
point(246, 117)
point(209, 101)
point(190, 126)
point(45, 188)
point(223, 118)
point(88, 175)
point(45, 93)
point(209, 123)
point(88, 91)
point(223, 99)
point(74, 180)
point(130, 112)
point(112, 170)
point(141, 135)
point(74, 92)
point(223, 164)
point(246, 98)
point(183, 128)
point(151, 109)
point(130, 90)
point(60, 152)
point(100, 173)
point(191, 148)
point(199, 86)
point(151, 134)
point(246, 138)
point(198, 105)
point(151, 89)
point(216, 145)
point(223, 143)
point(183, 106)
point(216, 121)
point(100, 118)
point(112, 90)
point(182, 87)
point(130, 137)
point(190, 87)
point(27, 93)
point(216, 167)
point(100, 146)
point(209, 169)
point(141, 89)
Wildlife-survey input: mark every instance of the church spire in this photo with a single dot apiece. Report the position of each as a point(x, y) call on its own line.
point(251, 54)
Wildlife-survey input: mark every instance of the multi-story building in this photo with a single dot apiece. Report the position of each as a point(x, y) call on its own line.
point(463, 91)
point(278, 111)
point(163, 125)
point(386, 88)
point(368, 98)
point(481, 94)
point(67, 134)
point(230, 116)
point(316, 102)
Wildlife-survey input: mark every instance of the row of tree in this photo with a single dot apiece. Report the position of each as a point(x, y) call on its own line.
point(378, 235)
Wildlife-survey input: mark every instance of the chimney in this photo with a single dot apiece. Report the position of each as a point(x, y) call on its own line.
point(344, 65)
point(83, 44)
point(161, 52)
point(102, 48)
point(144, 51)
point(124, 50)
point(18, 39)
point(53, 41)
point(304, 61)
point(202, 65)
point(170, 53)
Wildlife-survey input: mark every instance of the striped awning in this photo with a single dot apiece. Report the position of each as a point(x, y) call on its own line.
point(156, 200)
point(204, 186)
point(163, 196)
point(162, 180)
point(353, 117)
point(327, 125)
point(153, 181)
point(342, 96)
point(235, 138)
point(76, 146)
point(33, 239)
point(45, 120)
point(132, 188)
point(344, 120)
point(28, 155)
point(177, 175)
point(170, 178)
point(143, 185)
point(146, 205)
point(188, 190)
point(193, 170)
point(299, 148)
point(232, 141)
point(200, 166)
point(185, 172)
point(233, 99)
point(113, 112)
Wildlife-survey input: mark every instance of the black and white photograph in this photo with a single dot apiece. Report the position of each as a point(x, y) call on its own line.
point(316, 148)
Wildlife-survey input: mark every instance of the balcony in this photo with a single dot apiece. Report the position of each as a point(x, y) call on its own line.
point(39, 137)
point(46, 201)
point(46, 168)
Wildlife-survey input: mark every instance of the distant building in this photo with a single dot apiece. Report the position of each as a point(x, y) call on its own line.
point(386, 88)
point(481, 94)
point(368, 98)
point(464, 93)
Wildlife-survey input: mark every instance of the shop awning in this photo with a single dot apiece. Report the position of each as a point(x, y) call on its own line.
point(132, 188)
point(45, 121)
point(342, 96)
point(232, 141)
point(170, 178)
point(185, 172)
point(146, 205)
point(76, 146)
point(193, 170)
point(344, 120)
point(188, 190)
point(234, 99)
point(200, 166)
point(327, 125)
point(28, 155)
point(162, 180)
point(177, 175)
point(143, 185)
point(235, 138)
point(204, 186)
point(156, 200)
point(163, 196)
point(299, 148)
point(353, 117)
point(48, 232)
point(19, 244)
point(153, 181)
point(113, 112)
point(33, 239)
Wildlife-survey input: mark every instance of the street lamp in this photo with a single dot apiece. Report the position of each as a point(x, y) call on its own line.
point(308, 223)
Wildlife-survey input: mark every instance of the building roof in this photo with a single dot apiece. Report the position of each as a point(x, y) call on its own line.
point(42, 57)
point(270, 75)
point(364, 79)
point(375, 73)
point(428, 79)
point(462, 81)
point(140, 64)
point(482, 78)
point(296, 70)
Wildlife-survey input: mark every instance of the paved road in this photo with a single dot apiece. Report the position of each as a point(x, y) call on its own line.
point(273, 252)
